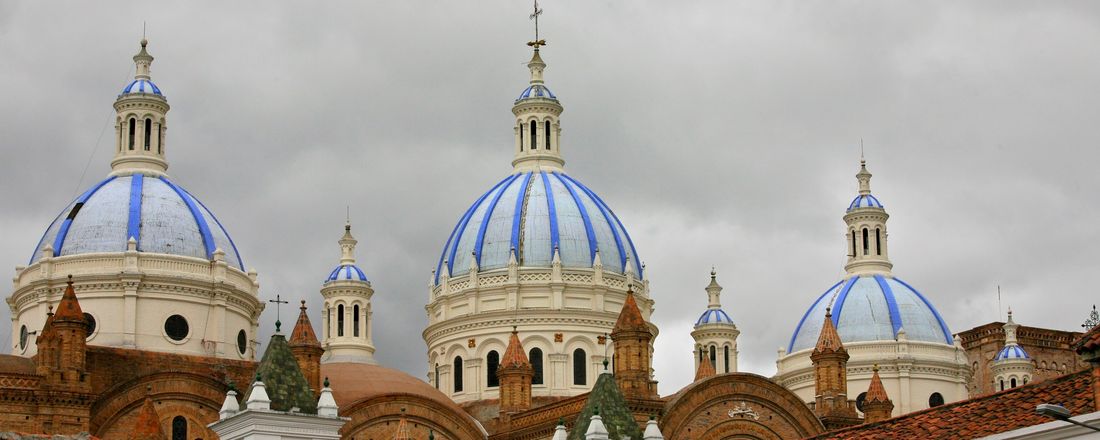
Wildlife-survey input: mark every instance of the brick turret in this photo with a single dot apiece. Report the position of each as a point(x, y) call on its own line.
point(147, 426)
point(706, 369)
point(62, 346)
point(830, 360)
point(876, 405)
point(515, 374)
point(307, 350)
point(633, 351)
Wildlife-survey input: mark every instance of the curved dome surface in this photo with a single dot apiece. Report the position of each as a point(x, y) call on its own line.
point(141, 86)
point(872, 308)
point(346, 272)
point(865, 201)
point(713, 316)
point(1011, 352)
point(162, 217)
point(517, 213)
point(536, 91)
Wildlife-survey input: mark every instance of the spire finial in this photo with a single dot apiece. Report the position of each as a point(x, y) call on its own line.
point(535, 16)
point(303, 307)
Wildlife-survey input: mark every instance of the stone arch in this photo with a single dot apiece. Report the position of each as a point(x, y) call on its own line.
point(710, 409)
point(378, 416)
point(196, 397)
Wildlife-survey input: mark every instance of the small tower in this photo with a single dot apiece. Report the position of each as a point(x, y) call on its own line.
point(715, 333)
point(537, 130)
point(65, 334)
point(877, 406)
point(140, 124)
point(1012, 366)
point(830, 360)
point(633, 351)
point(705, 369)
point(307, 350)
point(866, 220)
point(515, 373)
point(346, 317)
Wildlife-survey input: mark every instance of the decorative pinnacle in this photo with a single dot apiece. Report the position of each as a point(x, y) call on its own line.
point(326, 381)
point(303, 307)
point(278, 325)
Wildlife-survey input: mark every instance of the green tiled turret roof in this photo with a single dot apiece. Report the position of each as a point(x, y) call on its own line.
point(607, 398)
point(286, 385)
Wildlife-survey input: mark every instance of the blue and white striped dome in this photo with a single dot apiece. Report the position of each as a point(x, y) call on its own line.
point(713, 316)
point(865, 201)
point(536, 91)
point(141, 86)
point(1011, 352)
point(872, 308)
point(347, 272)
point(516, 213)
point(163, 218)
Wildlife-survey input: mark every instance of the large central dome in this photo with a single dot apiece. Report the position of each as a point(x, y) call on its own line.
point(517, 214)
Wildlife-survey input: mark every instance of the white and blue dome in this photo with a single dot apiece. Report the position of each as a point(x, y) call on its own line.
point(536, 91)
point(517, 214)
point(141, 86)
point(865, 201)
point(713, 316)
point(160, 215)
point(872, 308)
point(1011, 352)
point(349, 272)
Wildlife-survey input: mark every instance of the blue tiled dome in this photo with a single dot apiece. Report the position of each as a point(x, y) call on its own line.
point(516, 213)
point(1011, 352)
point(160, 215)
point(865, 201)
point(347, 272)
point(141, 86)
point(536, 91)
point(872, 308)
point(713, 316)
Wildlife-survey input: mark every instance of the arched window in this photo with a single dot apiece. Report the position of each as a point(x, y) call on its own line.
point(492, 361)
point(179, 428)
point(458, 374)
point(148, 133)
point(1012, 382)
point(580, 367)
point(936, 399)
point(340, 320)
point(878, 241)
point(160, 139)
point(521, 136)
point(1025, 380)
point(1002, 384)
point(328, 321)
point(853, 243)
point(713, 358)
point(355, 321)
point(860, 400)
point(533, 138)
point(726, 357)
point(547, 130)
point(437, 376)
point(536, 364)
point(133, 126)
point(866, 244)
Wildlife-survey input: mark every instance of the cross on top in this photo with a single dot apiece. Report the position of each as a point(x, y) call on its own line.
point(535, 16)
point(278, 308)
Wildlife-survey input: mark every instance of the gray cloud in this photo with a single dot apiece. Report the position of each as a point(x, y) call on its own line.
point(723, 133)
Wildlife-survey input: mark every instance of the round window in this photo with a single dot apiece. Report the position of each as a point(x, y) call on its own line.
point(936, 399)
point(176, 327)
point(242, 342)
point(89, 321)
point(860, 400)
point(23, 337)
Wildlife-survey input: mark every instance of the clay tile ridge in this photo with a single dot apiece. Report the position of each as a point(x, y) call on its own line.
point(1088, 341)
point(630, 318)
point(147, 426)
point(514, 357)
point(829, 339)
point(706, 369)
point(69, 308)
point(876, 392)
point(303, 334)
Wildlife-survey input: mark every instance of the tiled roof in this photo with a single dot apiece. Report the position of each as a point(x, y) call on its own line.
point(982, 416)
point(1088, 341)
point(829, 339)
point(147, 426)
point(514, 357)
point(876, 392)
point(630, 318)
point(303, 330)
point(607, 399)
point(283, 379)
point(69, 307)
point(706, 369)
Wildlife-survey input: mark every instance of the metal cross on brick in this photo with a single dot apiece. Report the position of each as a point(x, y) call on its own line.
point(278, 303)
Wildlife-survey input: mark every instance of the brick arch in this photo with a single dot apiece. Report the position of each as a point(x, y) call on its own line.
point(195, 397)
point(377, 417)
point(702, 410)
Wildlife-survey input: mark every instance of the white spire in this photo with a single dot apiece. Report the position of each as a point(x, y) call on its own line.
point(347, 245)
point(559, 432)
point(140, 125)
point(714, 291)
point(257, 398)
point(864, 178)
point(537, 129)
point(347, 311)
point(652, 432)
point(596, 428)
point(326, 404)
point(1010, 330)
point(866, 230)
point(230, 406)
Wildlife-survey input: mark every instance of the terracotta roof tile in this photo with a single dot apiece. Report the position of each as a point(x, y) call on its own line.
point(982, 416)
point(514, 357)
point(303, 331)
point(147, 426)
point(1088, 341)
point(69, 308)
point(630, 318)
point(829, 339)
point(706, 369)
point(876, 392)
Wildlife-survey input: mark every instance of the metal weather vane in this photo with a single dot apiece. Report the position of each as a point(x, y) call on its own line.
point(535, 16)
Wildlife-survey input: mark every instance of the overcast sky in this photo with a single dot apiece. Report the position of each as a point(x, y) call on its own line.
point(722, 133)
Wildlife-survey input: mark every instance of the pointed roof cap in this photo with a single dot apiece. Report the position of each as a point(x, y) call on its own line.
point(147, 426)
point(402, 432)
point(630, 318)
point(69, 308)
point(829, 339)
point(706, 369)
point(606, 400)
point(876, 392)
point(514, 357)
point(303, 334)
point(283, 379)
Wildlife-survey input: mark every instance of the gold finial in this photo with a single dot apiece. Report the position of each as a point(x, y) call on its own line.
point(535, 16)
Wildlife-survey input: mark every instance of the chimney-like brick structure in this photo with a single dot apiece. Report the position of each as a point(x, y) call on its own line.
point(307, 350)
point(830, 360)
point(515, 373)
point(877, 406)
point(633, 356)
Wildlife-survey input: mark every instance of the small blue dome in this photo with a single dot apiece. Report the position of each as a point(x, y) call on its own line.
point(517, 213)
point(1011, 352)
point(872, 308)
point(865, 201)
point(713, 316)
point(163, 218)
point(536, 91)
point(141, 86)
point(347, 272)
